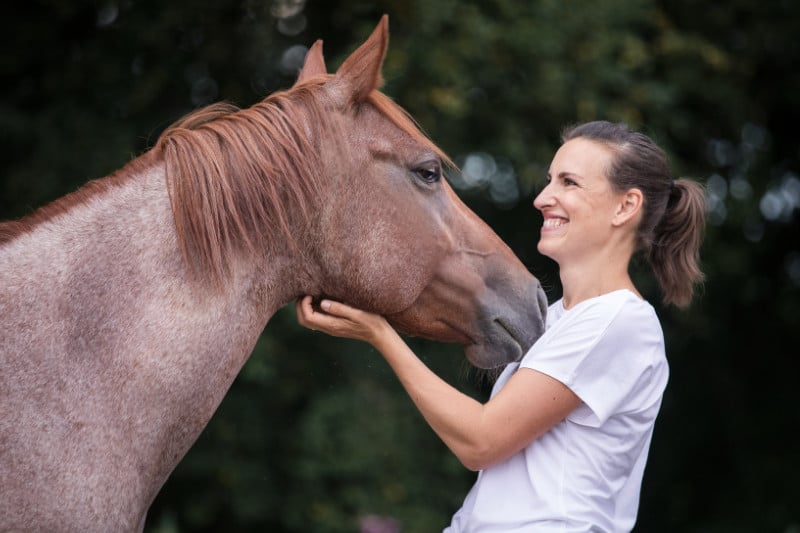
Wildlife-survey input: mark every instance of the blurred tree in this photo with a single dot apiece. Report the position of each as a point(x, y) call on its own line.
point(316, 434)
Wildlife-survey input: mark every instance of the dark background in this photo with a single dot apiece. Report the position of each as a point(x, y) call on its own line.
point(315, 434)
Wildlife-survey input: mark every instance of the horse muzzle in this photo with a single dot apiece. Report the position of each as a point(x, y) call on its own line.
point(508, 326)
point(496, 325)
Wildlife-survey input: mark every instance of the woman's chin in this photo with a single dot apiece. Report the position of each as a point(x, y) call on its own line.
point(544, 247)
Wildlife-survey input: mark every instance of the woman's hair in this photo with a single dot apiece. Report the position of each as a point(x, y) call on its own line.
point(673, 215)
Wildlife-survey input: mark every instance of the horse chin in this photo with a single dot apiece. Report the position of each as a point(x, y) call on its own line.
point(486, 358)
point(506, 338)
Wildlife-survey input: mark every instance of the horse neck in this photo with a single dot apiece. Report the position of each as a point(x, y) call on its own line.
point(194, 338)
point(144, 355)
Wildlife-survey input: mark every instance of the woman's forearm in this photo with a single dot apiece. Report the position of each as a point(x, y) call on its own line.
point(454, 416)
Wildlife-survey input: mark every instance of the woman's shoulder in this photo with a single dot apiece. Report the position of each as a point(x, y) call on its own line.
point(619, 317)
point(621, 304)
point(617, 298)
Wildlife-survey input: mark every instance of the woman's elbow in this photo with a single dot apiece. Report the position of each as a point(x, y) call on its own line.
point(478, 459)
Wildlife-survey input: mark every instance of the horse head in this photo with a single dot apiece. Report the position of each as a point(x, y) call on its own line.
point(391, 235)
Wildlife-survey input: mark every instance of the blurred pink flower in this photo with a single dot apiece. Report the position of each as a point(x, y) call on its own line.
point(378, 524)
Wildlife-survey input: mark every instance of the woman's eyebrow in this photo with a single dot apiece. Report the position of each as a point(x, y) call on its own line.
point(566, 174)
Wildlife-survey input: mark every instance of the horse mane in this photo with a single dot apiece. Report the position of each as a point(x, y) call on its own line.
point(238, 178)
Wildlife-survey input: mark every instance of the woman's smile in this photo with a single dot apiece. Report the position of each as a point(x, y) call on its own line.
point(553, 223)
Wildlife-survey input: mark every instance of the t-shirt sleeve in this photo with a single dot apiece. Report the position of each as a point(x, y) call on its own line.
point(610, 354)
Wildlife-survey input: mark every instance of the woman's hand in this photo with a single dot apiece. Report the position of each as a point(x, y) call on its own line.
point(341, 320)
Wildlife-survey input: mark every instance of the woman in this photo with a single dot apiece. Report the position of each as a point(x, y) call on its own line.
point(562, 443)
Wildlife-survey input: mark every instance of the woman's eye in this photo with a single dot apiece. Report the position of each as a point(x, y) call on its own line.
point(429, 173)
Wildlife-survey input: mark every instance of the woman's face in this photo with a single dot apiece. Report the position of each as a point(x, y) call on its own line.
point(578, 203)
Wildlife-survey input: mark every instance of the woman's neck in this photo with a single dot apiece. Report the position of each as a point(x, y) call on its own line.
point(588, 280)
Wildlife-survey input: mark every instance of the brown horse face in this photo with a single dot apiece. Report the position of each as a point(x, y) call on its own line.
point(418, 255)
point(395, 239)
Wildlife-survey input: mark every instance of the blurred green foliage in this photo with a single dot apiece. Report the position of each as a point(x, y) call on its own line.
point(316, 434)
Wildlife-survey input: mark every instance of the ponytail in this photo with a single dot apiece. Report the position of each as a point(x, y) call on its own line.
point(674, 254)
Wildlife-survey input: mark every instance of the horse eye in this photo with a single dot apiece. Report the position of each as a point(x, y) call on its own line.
point(429, 173)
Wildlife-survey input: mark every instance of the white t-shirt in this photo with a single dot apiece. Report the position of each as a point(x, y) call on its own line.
point(585, 473)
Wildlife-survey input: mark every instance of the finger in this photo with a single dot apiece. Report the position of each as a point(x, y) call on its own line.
point(304, 310)
point(316, 319)
point(338, 309)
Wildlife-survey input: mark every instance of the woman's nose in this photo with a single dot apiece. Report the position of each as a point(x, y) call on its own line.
point(543, 198)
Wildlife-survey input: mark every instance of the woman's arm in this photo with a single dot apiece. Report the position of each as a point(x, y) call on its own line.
point(480, 435)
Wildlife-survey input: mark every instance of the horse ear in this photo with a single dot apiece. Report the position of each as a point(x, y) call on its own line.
point(360, 73)
point(314, 64)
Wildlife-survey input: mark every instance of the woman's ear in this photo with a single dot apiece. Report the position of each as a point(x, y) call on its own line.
point(629, 207)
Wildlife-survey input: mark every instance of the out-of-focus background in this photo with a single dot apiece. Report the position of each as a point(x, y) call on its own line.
point(315, 434)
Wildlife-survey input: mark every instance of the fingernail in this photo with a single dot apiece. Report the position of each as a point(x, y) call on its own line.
point(325, 304)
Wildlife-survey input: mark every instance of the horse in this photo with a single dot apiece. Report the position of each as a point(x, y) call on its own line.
point(128, 307)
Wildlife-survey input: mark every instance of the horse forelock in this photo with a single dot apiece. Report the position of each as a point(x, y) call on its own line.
point(239, 178)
